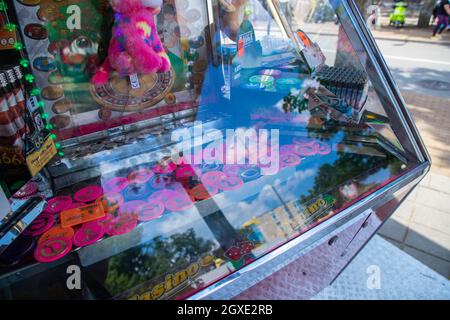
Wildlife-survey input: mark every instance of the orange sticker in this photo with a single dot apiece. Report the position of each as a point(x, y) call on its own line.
point(57, 232)
point(82, 214)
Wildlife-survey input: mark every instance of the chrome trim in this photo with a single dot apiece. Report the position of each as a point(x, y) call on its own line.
point(295, 248)
point(383, 71)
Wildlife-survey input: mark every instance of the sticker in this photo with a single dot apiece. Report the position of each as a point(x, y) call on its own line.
point(140, 176)
point(179, 202)
point(40, 225)
point(116, 184)
point(213, 178)
point(203, 192)
point(88, 234)
point(35, 31)
point(120, 225)
point(37, 160)
point(52, 249)
point(289, 160)
point(130, 208)
point(57, 232)
point(230, 183)
point(81, 215)
point(111, 201)
point(44, 64)
point(88, 194)
point(26, 191)
point(150, 211)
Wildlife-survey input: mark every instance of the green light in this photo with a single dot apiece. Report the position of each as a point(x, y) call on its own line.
point(18, 46)
point(24, 63)
point(61, 154)
point(49, 126)
point(3, 6)
point(29, 78)
point(53, 136)
point(44, 116)
point(41, 104)
point(35, 92)
point(10, 27)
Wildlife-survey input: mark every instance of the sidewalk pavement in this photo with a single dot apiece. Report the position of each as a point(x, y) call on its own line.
point(382, 272)
point(385, 32)
point(421, 226)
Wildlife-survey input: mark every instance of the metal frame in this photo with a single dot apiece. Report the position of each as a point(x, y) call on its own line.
point(241, 280)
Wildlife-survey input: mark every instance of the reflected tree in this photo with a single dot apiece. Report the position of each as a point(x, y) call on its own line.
point(155, 259)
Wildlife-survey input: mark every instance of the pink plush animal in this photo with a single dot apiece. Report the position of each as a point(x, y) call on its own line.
point(135, 46)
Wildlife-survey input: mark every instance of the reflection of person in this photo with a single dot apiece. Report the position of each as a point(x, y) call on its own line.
point(442, 12)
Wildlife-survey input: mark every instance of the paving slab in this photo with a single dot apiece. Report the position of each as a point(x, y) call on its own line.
point(381, 271)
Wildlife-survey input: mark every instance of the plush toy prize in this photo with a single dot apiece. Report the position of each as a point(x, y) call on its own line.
point(135, 47)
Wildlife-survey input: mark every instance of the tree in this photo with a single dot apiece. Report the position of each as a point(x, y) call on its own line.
point(425, 13)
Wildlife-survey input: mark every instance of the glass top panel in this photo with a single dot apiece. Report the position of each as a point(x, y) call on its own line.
point(268, 123)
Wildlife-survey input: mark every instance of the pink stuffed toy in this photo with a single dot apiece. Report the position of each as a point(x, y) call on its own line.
point(135, 46)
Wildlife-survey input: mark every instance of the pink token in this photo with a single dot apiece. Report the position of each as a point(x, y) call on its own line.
point(116, 184)
point(75, 205)
point(161, 195)
point(213, 178)
point(158, 168)
point(185, 172)
point(140, 176)
point(40, 225)
point(179, 202)
point(289, 160)
point(230, 183)
point(303, 141)
point(288, 149)
point(130, 207)
point(322, 148)
point(231, 170)
point(120, 225)
point(150, 211)
point(52, 249)
point(161, 181)
point(305, 151)
point(88, 234)
point(26, 191)
point(88, 194)
point(58, 204)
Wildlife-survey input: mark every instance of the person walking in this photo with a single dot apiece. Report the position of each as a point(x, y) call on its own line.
point(441, 11)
